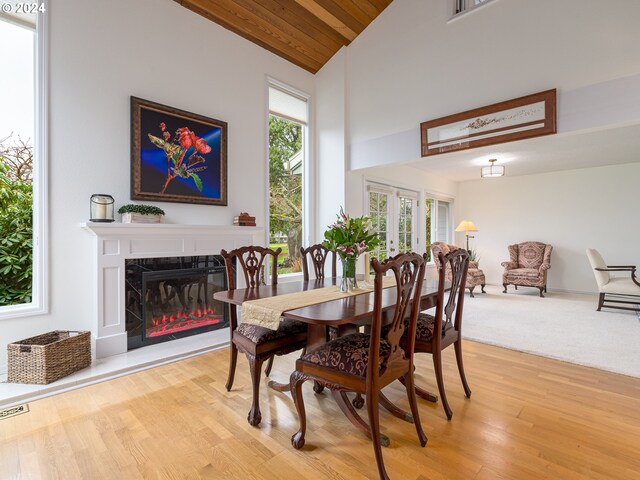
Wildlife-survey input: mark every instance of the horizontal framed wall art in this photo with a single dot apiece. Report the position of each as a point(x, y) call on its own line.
point(177, 156)
point(525, 117)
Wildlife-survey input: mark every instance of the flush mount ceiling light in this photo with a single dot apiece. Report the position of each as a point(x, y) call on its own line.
point(492, 170)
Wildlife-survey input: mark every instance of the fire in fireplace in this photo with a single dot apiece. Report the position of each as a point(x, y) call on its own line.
point(169, 298)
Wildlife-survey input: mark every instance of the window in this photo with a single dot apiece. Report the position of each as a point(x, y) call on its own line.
point(22, 161)
point(461, 7)
point(288, 133)
point(438, 222)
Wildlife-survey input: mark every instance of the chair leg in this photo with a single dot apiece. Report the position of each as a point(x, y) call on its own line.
point(255, 365)
point(505, 288)
point(541, 290)
point(471, 291)
point(296, 380)
point(458, 348)
point(515, 286)
point(267, 370)
point(437, 366)
point(482, 288)
point(233, 360)
point(374, 425)
point(358, 400)
point(413, 403)
point(600, 301)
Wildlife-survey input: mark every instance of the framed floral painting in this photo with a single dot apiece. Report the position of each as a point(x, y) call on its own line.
point(177, 156)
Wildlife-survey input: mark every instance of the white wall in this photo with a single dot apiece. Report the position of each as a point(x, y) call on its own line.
point(101, 53)
point(571, 210)
point(411, 65)
point(330, 119)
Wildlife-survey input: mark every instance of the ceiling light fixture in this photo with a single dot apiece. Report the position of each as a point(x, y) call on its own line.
point(492, 170)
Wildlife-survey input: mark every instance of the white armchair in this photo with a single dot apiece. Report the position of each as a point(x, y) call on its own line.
point(623, 289)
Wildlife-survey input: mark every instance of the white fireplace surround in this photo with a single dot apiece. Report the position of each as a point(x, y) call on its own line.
point(116, 242)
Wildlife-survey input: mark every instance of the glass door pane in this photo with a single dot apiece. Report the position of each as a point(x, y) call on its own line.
point(379, 213)
point(406, 237)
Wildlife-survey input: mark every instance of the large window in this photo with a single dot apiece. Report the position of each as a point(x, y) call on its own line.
point(287, 159)
point(22, 164)
point(438, 222)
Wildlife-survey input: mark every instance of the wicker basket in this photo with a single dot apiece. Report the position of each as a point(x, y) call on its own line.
point(46, 358)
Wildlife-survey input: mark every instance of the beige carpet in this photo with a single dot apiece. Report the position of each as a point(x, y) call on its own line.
point(563, 325)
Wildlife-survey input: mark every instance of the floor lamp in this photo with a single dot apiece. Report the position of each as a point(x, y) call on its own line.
point(467, 226)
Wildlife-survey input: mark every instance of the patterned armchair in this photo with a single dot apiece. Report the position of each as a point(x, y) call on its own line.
point(527, 266)
point(475, 276)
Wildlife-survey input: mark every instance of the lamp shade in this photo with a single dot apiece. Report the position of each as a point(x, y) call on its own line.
point(492, 170)
point(466, 226)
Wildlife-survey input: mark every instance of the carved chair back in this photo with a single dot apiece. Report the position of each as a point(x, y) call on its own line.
point(408, 269)
point(251, 260)
point(318, 255)
point(449, 314)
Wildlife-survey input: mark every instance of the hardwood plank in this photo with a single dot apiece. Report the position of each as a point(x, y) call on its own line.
point(289, 34)
point(367, 7)
point(304, 20)
point(223, 13)
point(339, 10)
point(528, 418)
point(328, 18)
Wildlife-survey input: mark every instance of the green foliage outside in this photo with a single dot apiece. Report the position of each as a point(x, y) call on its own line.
point(16, 244)
point(285, 191)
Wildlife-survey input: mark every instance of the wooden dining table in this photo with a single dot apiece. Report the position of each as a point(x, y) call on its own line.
point(344, 314)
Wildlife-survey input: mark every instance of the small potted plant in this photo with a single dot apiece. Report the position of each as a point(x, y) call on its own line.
point(141, 213)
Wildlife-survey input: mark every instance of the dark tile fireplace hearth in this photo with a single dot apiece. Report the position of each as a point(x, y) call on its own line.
point(172, 297)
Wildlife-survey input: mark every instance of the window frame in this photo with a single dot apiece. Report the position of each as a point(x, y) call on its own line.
point(434, 221)
point(307, 165)
point(39, 304)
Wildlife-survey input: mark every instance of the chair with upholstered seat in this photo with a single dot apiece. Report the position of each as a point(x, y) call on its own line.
point(365, 363)
point(527, 266)
point(447, 321)
point(318, 255)
point(259, 344)
point(475, 276)
point(624, 290)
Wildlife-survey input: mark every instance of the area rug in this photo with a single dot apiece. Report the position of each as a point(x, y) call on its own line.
point(564, 326)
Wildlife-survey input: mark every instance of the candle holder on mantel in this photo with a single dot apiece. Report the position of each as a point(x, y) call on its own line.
point(101, 208)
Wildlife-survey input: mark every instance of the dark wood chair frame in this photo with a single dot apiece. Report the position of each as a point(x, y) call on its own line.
point(318, 254)
point(625, 299)
point(447, 325)
point(251, 261)
point(409, 273)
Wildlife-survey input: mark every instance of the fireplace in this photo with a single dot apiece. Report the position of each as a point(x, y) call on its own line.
point(172, 297)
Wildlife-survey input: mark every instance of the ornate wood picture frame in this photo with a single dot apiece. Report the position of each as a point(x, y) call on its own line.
point(177, 156)
point(524, 117)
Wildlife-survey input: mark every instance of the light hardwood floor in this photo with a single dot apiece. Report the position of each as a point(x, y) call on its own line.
point(529, 418)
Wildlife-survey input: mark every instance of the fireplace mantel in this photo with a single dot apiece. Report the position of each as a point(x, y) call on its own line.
point(116, 242)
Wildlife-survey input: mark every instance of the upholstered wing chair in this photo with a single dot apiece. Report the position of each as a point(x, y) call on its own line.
point(475, 276)
point(527, 266)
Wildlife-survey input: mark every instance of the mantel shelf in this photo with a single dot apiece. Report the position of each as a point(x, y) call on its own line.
point(126, 229)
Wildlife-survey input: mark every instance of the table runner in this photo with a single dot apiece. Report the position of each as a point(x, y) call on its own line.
point(267, 312)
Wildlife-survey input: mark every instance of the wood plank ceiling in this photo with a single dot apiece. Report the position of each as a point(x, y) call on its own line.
point(305, 32)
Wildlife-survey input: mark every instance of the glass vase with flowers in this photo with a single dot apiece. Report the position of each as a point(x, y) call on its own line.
point(350, 237)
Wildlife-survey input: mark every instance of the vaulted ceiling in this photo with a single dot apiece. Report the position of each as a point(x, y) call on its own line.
point(305, 32)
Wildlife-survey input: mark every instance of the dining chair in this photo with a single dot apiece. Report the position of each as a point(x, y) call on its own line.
point(365, 363)
point(259, 344)
point(447, 322)
point(318, 255)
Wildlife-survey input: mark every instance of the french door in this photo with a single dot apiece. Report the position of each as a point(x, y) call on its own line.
point(394, 214)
